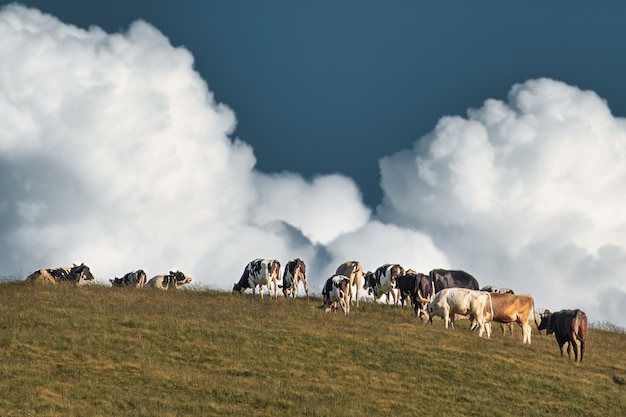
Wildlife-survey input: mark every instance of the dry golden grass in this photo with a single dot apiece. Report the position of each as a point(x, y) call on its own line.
point(99, 351)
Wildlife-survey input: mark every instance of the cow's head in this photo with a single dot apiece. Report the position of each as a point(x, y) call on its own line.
point(82, 273)
point(237, 288)
point(179, 278)
point(545, 322)
point(368, 283)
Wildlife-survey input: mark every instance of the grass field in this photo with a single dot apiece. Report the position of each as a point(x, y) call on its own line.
point(99, 351)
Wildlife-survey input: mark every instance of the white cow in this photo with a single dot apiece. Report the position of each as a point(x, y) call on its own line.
point(260, 272)
point(337, 290)
point(451, 301)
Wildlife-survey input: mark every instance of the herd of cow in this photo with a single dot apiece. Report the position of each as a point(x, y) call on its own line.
point(448, 294)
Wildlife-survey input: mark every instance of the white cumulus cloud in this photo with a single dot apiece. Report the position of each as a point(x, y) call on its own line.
point(528, 193)
point(113, 152)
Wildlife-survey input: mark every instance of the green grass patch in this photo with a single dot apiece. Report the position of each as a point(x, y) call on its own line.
point(99, 351)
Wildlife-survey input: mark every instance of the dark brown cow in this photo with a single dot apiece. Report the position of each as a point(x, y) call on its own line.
point(568, 326)
point(74, 275)
point(295, 272)
point(354, 272)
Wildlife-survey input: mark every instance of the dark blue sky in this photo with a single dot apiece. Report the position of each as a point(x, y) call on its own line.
point(332, 86)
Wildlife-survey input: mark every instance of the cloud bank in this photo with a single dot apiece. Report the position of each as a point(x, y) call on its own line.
point(113, 152)
point(528, 194)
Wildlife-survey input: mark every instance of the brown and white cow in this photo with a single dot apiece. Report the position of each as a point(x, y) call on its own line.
point(171, 280)
point(568, 326)
point(354, 271)
point(136, 278)
point(260, 272)
point(462, 301)
point(76, 275)
point(295, 272)
point(511, 308)
point(337, 289)
point(383, 281)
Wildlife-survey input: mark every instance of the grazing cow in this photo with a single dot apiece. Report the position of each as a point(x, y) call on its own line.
point(76, 275)
point(511, 308)
point(451, 301)
point(568, 326)
point(439, 279)
point(498, 290)
point(354, 271)
point(383, 281)
point(407, 286)
point(136, 278)
point(295, 271)
point(337, 289)
point(171, 280)
point(260, 272)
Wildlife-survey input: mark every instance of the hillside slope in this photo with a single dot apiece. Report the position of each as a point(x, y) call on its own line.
point(101, 351)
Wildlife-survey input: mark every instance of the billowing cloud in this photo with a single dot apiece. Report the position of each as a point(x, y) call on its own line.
point(527, 193)
point(114, 152)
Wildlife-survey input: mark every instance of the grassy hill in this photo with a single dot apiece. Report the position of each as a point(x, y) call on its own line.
point(99, 351)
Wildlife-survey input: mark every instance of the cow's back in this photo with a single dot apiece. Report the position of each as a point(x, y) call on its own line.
point(41, 276)
point(443, 278)
point(159, 281)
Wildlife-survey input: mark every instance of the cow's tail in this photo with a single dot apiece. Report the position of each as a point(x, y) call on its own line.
point(490, 305)
point(535, 319)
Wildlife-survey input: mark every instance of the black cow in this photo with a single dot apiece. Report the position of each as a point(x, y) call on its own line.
point(568, 326)
point(408, 286)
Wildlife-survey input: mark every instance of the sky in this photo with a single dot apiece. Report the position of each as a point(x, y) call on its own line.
point(200, 135)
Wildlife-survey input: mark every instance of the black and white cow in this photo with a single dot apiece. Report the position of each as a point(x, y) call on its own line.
point(295, 272)
point(497, 290)
point(337, 289)
point(136, 278)
point(76, 275)
point(383, 281)
point(260, 272)
point(171, 280)
point(354, 271)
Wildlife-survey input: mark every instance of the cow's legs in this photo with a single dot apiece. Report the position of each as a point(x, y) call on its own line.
point(526, 332)
point(582, 347)
point(446, 318)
